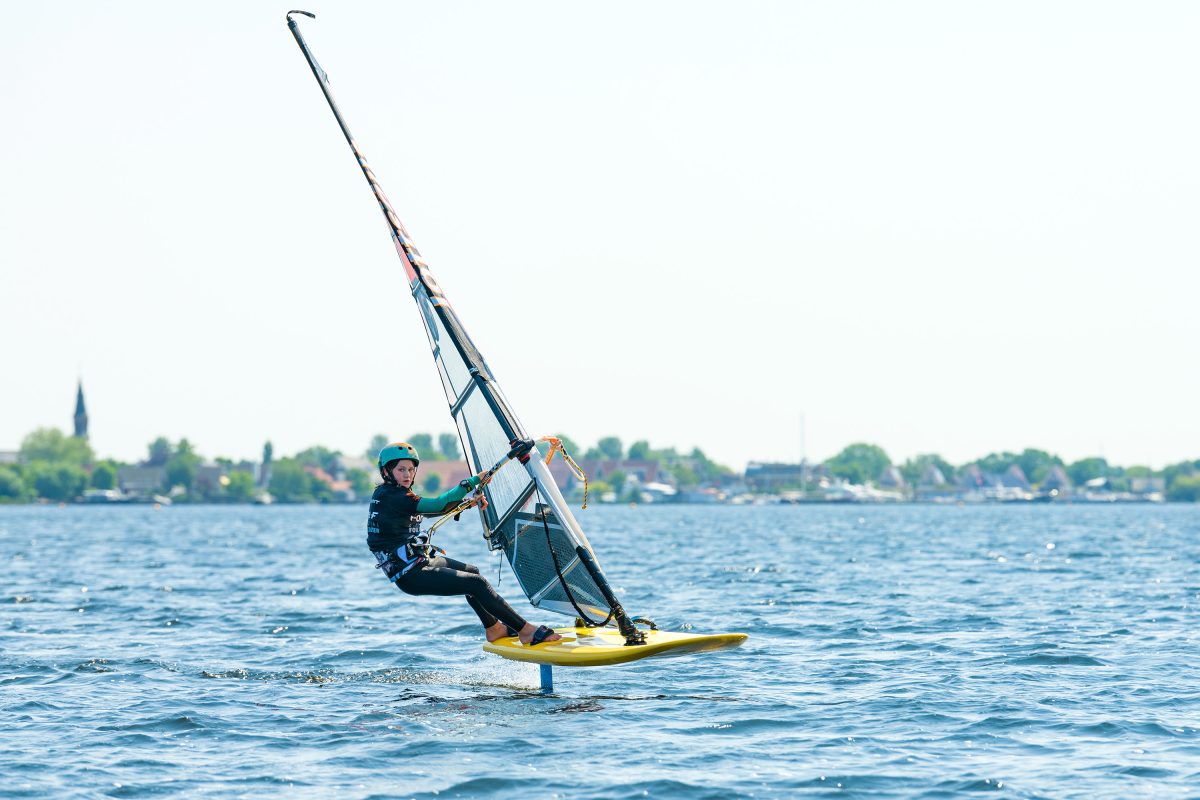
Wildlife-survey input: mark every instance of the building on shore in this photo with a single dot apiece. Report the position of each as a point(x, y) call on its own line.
point(761, 476)
point(81, 417)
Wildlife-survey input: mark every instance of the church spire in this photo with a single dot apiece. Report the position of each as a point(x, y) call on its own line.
point(80, 413)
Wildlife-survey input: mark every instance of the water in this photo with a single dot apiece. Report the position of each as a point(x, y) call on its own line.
point(894, 652)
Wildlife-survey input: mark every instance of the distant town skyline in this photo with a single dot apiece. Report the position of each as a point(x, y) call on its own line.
point(81, 429)
point(937, 227)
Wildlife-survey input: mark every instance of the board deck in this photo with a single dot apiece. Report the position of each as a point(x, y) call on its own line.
point(597, 647)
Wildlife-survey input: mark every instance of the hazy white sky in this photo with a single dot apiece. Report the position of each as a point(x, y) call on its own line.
point(948, 227)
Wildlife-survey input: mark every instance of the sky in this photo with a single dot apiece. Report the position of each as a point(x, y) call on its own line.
point(765, 229)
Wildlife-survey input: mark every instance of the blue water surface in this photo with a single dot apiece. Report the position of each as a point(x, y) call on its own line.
point(906, 651)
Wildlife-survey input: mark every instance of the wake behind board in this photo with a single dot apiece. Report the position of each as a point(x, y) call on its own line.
point(598, 647)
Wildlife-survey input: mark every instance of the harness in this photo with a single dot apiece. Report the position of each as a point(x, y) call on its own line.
point(404, 559)
point(396, 562)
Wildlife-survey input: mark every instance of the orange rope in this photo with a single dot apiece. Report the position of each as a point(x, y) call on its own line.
point(472, 500)
point(556, 446)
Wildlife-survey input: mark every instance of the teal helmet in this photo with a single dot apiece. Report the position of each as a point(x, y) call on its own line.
point(394, 452)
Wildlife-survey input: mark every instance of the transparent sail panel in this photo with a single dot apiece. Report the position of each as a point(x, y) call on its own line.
point(532, 535)
point(528, 538)
point(455, 377)
point(486, 439)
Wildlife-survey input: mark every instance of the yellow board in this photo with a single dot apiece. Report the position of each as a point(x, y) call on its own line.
point(597, 647)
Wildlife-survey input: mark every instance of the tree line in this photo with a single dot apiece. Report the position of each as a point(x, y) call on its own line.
point(53, 466)
point(863, 463)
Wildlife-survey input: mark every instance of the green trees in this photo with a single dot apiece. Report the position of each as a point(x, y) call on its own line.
point(360, 482)
point(378, 442)
point(53, 446)
point(1185, 488)
point(53, 466)
point(996, 463)
point(448, 446)
point(181, 466)
point(1182, 469)
point(290, 483)
point(446, 449)
point(684, 475)
point(913, 469)
point(569, 445)
point(639, 450)
point(160, 452)
point(104, 475)
point(1036, 463)
point(1033, 462)
point(322, 458)
point(59, 482)
point(424, 444)
point(611, 447)
point(240, 487)
point(1183, 481)
point(12, 487)
point(688, 471)
point(616, 479)
point(1085, 469)
point(859, 463)
point(705, 468)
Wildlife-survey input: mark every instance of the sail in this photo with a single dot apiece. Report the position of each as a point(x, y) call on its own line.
point(526, 515)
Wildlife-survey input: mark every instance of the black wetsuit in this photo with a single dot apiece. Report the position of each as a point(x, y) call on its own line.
point(402, 550)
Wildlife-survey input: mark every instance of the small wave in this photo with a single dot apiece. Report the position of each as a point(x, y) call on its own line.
point(172, 724)
point(499, 786)
point(997, 723)
point(960, 787)
point(1146, 772)
point(1052, 660)
point(1113, 729)
point(34, 705)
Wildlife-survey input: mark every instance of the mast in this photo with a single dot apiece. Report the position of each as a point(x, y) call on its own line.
point(468, 382)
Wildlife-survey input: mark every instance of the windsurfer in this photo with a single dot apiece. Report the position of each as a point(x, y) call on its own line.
point(405, 555)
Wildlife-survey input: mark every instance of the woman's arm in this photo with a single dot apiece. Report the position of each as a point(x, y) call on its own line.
point(447, 499)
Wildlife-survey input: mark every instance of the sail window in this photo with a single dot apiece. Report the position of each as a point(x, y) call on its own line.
point(526, 547)
point(455, 376)
point(489, 444)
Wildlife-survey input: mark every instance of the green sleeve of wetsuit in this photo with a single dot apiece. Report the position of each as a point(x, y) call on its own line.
point(446, 500)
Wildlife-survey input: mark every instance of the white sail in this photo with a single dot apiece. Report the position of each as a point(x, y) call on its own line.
point(526, 516)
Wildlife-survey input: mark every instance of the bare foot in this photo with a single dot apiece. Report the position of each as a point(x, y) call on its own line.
point(528, 632)
point(497, 631)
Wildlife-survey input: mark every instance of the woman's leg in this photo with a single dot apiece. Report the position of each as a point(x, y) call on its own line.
point(447, 577)
point(486, 618)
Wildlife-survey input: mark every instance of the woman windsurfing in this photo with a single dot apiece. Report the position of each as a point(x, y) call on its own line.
point(406, 557)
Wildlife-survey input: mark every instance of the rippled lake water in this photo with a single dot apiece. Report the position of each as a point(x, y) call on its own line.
point(895, 652)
